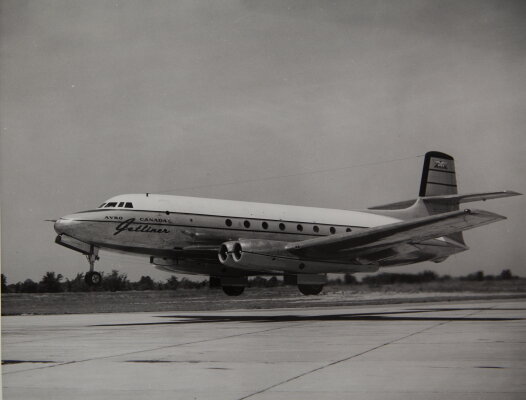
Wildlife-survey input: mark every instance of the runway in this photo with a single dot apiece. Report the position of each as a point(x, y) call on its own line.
point(465, 350)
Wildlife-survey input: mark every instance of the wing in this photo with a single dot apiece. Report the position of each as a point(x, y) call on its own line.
point(413, 231)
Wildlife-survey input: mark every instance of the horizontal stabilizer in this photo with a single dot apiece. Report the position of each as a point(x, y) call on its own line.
point(467, 198)
point(448, 199)
point(400, 205)
point(412, 231)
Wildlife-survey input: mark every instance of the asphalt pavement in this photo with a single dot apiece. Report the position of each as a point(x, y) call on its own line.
point(461, 350)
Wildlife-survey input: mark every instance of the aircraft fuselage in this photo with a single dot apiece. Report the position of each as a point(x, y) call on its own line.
point(185, 233)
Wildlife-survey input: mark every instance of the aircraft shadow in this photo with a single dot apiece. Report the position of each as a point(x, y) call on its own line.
point(394, 316)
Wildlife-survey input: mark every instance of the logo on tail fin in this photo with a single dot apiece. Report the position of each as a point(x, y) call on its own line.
point(440, 164)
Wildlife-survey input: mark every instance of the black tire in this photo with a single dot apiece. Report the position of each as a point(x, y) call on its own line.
point(93, 278)
point(233, 290)
point(214, 282)
point(309, 290)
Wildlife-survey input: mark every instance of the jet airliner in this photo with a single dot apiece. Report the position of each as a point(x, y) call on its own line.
point(232, 240)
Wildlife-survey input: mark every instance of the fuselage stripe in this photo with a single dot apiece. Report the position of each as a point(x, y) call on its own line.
point(214, 227)
point(175, 213)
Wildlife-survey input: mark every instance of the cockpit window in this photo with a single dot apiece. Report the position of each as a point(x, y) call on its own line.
point(128, 205)
point(121, 204)
point(102, 205)
point(111, 205)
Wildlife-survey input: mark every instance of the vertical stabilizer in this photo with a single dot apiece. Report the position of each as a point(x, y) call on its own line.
point(438, 179)
point(438, 175)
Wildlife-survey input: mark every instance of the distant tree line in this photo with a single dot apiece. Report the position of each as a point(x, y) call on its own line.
point(430, 276)
point(112, 282)
point(115, 281)
point(426, 276)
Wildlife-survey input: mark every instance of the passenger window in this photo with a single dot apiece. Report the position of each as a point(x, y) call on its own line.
point(299, 227)
point(348, 230)
point(333, 230)
point(228, 222)
point(315, 228)
point(264, 225)
point(121, 204)
point(247, 224)
point(282, 226)
point(111, 205)
point(128, 205)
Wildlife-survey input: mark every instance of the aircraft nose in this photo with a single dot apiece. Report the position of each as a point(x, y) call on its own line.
point(64, 225)
point(60, 226)
point(75, 226)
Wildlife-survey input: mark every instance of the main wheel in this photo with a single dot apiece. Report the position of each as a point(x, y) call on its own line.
point(214, 282)
point(93, 278)
point(233, 290)
point(308, 290)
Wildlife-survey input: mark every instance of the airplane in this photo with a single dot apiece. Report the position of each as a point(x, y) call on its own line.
point(232, 240)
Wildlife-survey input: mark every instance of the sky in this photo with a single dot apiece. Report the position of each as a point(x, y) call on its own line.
point(210, 98)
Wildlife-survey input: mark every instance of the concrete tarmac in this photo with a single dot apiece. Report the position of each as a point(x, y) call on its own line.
point(464, 350)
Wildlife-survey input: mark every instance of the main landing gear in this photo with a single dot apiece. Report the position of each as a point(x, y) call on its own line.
point(92, 277)
point(233, 290)
point(308, 290)
point(231, 285)
point(308, 284)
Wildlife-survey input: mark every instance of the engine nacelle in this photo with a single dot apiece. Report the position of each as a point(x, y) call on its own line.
point(271, 256)
point(233, 254)
point(225, 253)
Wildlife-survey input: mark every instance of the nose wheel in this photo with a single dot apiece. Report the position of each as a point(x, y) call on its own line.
point(92, 277)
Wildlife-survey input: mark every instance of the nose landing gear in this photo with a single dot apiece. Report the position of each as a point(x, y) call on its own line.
point(92, 277)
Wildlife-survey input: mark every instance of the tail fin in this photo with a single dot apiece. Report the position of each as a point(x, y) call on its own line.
point(439, 178)
point(438, 175)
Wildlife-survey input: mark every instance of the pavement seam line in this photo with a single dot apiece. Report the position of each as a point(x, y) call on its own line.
point(352, 356)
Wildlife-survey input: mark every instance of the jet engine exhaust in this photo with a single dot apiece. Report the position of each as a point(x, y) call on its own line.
point(237, 252)
point(223, 253)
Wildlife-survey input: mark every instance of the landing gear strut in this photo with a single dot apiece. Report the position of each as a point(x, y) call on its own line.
point(92, 277)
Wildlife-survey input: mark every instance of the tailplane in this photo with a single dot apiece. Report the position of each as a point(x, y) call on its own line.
point(438, 194)
point(438, 179)
point(438, 191)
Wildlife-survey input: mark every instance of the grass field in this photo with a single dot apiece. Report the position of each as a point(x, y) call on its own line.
point(255, 298)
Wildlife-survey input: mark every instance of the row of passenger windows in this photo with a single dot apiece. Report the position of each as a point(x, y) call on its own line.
point(115, 204)
point(282, 226)
point(228, 221)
